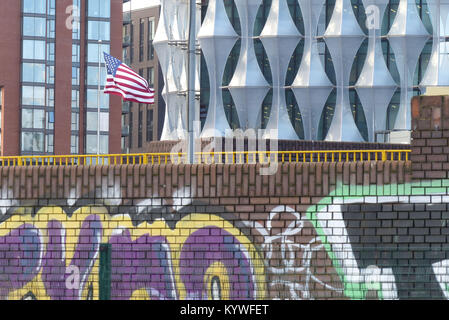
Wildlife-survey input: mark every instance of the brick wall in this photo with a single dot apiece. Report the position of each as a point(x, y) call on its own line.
point(430, 143)
point(373, 230)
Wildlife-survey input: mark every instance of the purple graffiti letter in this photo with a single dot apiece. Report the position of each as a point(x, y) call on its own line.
point(54, 272)
point(141, 264)
point(209, 245)
point(20, 258)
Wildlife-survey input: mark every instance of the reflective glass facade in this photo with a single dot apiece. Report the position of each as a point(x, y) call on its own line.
point(38, 76)
point(76, 81)
point(49, 75)
point(326, 59)
point(98, 29)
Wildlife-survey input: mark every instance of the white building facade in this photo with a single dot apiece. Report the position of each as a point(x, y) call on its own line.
point(334, 70)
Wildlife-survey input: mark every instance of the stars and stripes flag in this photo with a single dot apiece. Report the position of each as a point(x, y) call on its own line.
point(123, 81)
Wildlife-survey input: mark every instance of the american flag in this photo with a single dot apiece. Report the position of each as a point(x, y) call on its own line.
point(123, 81)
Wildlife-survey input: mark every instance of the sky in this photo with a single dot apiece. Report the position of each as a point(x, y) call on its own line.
point(138, 4)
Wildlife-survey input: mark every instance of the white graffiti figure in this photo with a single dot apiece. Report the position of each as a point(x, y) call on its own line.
point(289, 248)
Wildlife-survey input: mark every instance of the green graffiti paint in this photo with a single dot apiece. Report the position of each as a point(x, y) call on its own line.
point(350, 194)
point(105, 272)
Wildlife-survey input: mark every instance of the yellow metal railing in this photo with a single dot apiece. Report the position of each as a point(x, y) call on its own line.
point(302, 156)
point(263, 157)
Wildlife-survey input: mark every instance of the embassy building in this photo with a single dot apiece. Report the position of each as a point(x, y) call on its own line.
point(333, 70)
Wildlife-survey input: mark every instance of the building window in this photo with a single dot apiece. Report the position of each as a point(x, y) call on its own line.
point(50, 51)
point(33, 49)
point(76, 27)
point(74, 144)
point(99, 30)
point(75, 76)
point(50, 125)
point(130, 129)
point(38, 76)
point(131, 47)
point(141, 39)
point(33, 96)
point(95, 51)
point(91, 143)
point(150, 49)
point(33, 72)
point(75, 121)
point(99, 8)
point(150, 76)
point(92, 76)
point(92, 121)
point(123, 143)
point(34, 6)
point(50, 143)
point(32, 141)
point(50, 75)
point(140, 129)
point(34, 27)
point(33, 118)
point(92, 99)
point(149, 125)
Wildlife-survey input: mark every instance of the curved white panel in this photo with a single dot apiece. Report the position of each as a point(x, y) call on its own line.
point(170, 34)
point(182, 89)
point(166, 130)
point(375, 102)
point(248, 86)
point(437, 73)
point(407, 37)
point(280, 38)
point(181, 132)
point(216, 37)
point(160, 41)
point(172, 101)
point(182, 19)
point(311, 85)
point(375, 85)
point(343, 38)
point(161, 46)
point(172, 25)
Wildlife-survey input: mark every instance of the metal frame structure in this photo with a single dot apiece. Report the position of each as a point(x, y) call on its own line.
point(341, 34)
point(244, 157)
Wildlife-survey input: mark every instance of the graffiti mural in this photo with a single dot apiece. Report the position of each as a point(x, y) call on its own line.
point(395, 244)
point(301, 254)
point(58, 257)
point(387, 241)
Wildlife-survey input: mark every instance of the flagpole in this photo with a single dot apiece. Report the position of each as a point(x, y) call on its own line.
point(191, 81)
point(98, 97)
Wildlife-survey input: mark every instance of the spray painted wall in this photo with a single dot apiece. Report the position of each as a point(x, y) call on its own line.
point(373, 230)
point(359, 241)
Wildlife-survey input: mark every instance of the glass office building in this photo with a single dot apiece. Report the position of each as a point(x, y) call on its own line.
point(38, 76)
point(50, 76)
point(336, 70)
point(98, 41)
